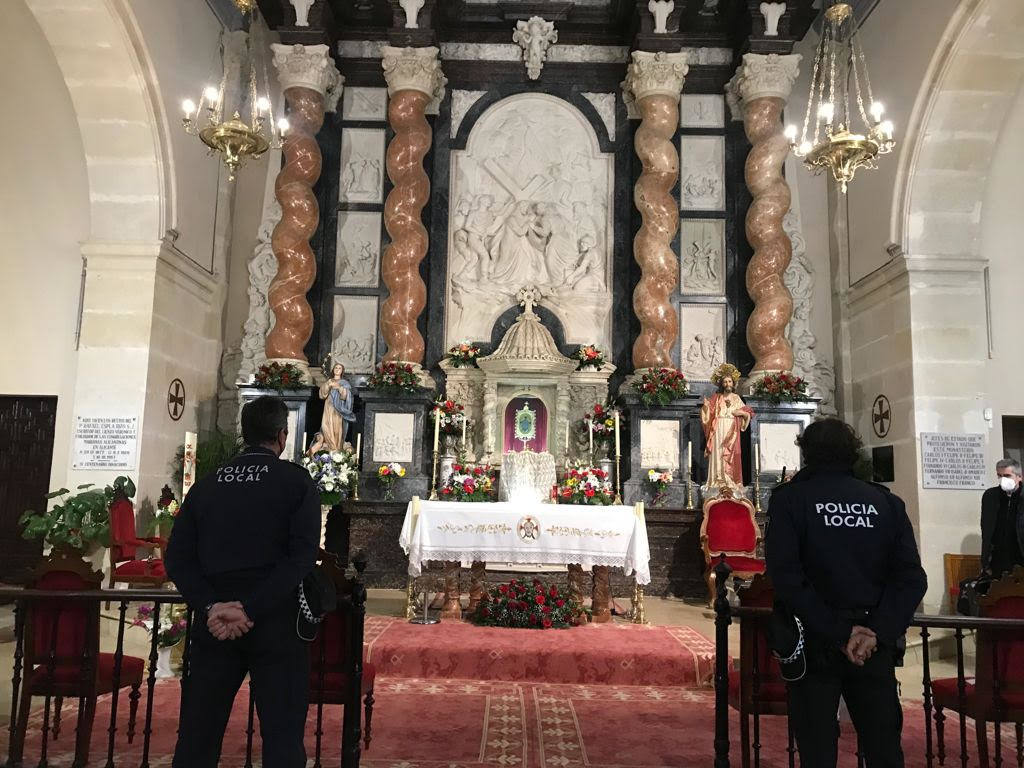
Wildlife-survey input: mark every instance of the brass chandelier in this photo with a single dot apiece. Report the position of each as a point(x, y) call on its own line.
point(235, 139)
point(845, 137)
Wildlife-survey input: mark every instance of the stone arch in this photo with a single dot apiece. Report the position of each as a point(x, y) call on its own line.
point(970, 87)
point(100, 51)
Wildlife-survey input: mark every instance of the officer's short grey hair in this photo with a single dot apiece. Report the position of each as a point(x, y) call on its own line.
point(1009, 464)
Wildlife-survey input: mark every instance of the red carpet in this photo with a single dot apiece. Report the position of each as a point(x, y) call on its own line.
point(611, 654)
point(471, 724)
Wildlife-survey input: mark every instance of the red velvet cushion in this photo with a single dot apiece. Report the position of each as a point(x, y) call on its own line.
point(122, 530)
point(730, 528)
point(745, 564)
point(335, 683)
point(68, 674)
point(154, 567)
point(59, 627)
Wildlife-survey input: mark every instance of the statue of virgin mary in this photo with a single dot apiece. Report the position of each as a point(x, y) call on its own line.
point(339, 406)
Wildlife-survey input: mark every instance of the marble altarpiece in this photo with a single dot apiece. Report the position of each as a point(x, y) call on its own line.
point(532, 172)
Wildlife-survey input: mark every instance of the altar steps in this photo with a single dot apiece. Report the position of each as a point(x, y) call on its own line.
point(597, 654)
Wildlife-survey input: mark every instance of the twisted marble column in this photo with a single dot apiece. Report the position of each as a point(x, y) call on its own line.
point(310, 81)
point(762, 85)
point(414, 78)
point(655, 81)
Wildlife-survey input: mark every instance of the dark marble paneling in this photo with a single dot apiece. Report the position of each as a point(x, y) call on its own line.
point(417, 479)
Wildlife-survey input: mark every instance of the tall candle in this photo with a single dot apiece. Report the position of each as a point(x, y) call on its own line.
point(757, 461)
point(304, 438)
point(689, 460)
point(437, 427)
point(359, 450)
point(617, 451)
point(463, 432)
point(591, 423)
point(567, 439)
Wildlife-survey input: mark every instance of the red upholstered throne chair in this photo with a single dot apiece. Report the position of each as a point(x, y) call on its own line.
point(125, 565)
point(996, 692)
point(329, 657)
point(62, 656)
point(729, 529)
point(763, 693)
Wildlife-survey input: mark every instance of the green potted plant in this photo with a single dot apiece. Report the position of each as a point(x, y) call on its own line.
point(79, 522)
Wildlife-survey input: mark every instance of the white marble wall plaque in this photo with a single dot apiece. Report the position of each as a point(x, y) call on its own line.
point(702, 257)
point(362, 165)
point(953, 461)
point(106, 442)
point(699, 110)
point(702, 173)
point(659, 444)
point(355, 332)
point(702, 340)
point(357, 257)
point(364, 104)
point(392, 437)
point(531, 205)
point(779, 450)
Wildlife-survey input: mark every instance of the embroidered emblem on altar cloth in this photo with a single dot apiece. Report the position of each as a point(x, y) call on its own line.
point(528, 529)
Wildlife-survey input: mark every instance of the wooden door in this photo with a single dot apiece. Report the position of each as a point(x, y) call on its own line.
point(26, 451)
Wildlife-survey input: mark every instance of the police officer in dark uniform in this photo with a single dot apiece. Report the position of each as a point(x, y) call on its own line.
point(842, 558)
point(243, 541)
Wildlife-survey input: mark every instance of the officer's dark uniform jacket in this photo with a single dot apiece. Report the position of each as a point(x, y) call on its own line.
point(841, 552)
point(249, 531)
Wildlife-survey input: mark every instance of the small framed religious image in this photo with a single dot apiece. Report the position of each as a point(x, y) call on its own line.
point(702, 257)
point(362, 165)
point(659, 444)
point(357, 257)
point(364, 104)
point(393, 437)
point(702, 173)
point(354, 338)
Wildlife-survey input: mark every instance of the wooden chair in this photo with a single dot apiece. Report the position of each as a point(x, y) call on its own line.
point(959, 567)
point(62, 657)
point(125, 566)
point(765, 694)
point(330, 659)
point(729, 529)
point(996, 693)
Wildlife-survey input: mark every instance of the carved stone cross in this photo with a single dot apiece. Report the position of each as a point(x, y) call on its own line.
point(528, 297)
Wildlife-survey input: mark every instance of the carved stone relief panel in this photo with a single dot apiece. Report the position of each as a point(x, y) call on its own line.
point(778, 446)
point(364, 104)
point(392, 437)
point(702, 339)
point(699, 110)
point(358, 252)
point(659, 444)
point(362, 165)
point(702, 257)
point(702, 173)
point(355, 332)
point(531, 205)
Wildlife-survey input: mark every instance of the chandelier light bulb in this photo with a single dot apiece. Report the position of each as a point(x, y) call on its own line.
point(282, 126)
point(805, 148)
point(887, 128)
point(827, 111)
point(188, 107)
point(877, 110)
point(790, 132)
point(211, 94)
point(263, 104)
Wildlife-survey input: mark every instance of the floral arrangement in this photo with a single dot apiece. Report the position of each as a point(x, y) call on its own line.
point(589, 355)
point(334, 472)
point(469, 482)
point(603, 420)
point(659, 481)
point(526, 606)
point(79, 521)
point(167, 509)
point(463, 355)
point(394, 378)
point(173, 624)
point(452, 416)
point(660, 386)
point(279, 377)
point(586, 485)
point(781, 388)
point(389, 474)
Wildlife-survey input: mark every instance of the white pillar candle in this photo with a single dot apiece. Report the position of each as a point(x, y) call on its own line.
point(437, 426)
point(617, 451)
point(591, 424)
point(463, 432)
point(304, 438)
point(567, 438)
point(359, 450)
point(689, 460)
point(757, 460)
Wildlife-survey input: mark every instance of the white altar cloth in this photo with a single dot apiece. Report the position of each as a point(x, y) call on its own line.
point(521, 533)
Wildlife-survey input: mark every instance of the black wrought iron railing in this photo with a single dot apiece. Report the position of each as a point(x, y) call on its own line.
point(989, 694)
point(43, 672)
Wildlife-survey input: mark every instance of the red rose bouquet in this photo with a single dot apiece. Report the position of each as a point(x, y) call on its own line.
point(781, 388)
point(394, 378)
point(586, 485)
point(463, 355)
point(660, 386)
point(452, 416)
point(279, 377)
point(589, 356)
point(526, 606)
point(602, 420)
point(468, 482)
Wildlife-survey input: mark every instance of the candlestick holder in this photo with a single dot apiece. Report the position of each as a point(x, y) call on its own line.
point(689, 492)
point(757, 491)
point(355, 487)
point(618, 481)
point(433, 478)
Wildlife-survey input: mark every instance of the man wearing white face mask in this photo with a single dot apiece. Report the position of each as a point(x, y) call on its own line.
point(1002, 522)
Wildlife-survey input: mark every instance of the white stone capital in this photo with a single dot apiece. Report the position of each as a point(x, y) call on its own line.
point(656, 74)
point(766, 76)
point(413, 69)
point(308, 66)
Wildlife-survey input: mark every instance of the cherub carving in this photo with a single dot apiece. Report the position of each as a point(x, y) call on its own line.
point(535, 36)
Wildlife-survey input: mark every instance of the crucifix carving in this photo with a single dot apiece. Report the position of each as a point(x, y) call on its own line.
point(528, 297)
